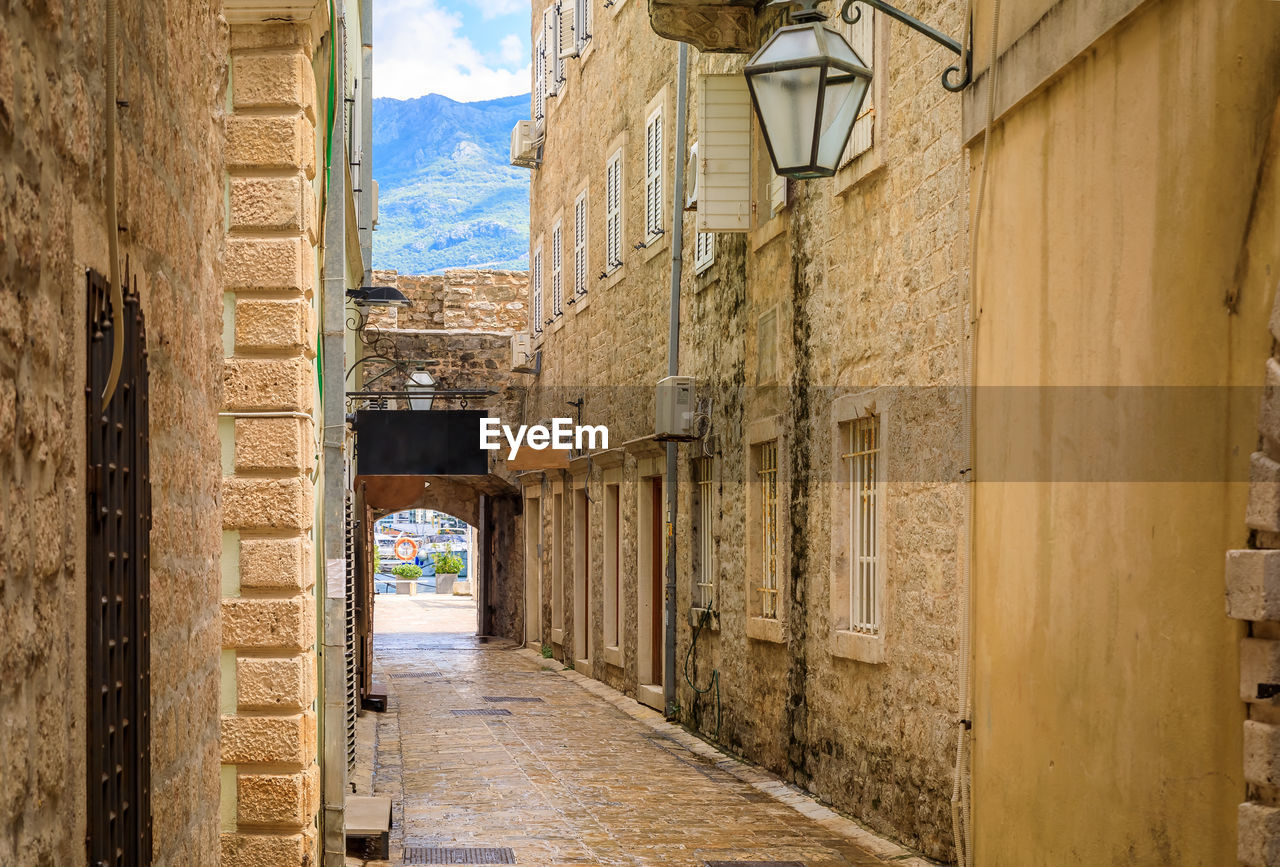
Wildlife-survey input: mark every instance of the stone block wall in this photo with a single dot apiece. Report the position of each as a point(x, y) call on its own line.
point(270, 775)
point(856, 286)
point(54, 226)
point(460, 299)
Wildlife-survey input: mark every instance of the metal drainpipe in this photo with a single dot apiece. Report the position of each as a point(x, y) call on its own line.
point(333, 312)
point(366, 138)
point(673, 369)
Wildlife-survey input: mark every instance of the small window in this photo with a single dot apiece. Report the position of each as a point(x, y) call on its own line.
point(557, 271)
point(703, 548)
point(613, 213)
point(704, 251)
point(580, 244)
point(535, 286)
point(861, 453)
point(767, 475)
point(653, 164)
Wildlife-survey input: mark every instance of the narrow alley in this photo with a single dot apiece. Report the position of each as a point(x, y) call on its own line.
point(492, 754)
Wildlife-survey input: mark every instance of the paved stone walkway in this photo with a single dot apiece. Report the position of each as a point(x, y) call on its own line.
point(560, 768)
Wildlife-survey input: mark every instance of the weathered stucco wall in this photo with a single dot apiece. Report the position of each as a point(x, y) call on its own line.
point(1111, 256)
point(53, 226)
point(854, 287)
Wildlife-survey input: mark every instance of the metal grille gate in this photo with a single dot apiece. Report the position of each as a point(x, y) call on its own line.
point(349, 653)
point(118, 832)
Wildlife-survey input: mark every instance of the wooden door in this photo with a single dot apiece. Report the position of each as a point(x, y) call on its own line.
point(656, 581)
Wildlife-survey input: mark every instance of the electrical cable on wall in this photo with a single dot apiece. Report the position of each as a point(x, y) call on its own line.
point(113, 218)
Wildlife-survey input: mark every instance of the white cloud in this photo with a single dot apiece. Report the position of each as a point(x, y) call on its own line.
point(418, 49)
point(499, 8)
point(511, 50)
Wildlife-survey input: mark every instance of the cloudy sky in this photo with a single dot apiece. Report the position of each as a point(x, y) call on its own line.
point(464, 49)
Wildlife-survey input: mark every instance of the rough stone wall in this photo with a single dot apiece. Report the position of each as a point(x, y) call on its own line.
point(269, 751)
point(53, 227)
point(458, 299)
point(863, 275)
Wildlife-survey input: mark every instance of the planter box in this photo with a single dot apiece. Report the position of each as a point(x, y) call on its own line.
point(462, 588)
point(407, 586)
point(444, 582)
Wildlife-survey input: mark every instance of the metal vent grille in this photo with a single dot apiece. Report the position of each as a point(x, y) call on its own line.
point(353, 690)
point(482, 711)
point(524, 698)
point(118, 583)
point(458, 855)
point(415, 674)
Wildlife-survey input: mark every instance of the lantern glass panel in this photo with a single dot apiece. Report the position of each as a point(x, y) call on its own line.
point(843, 100)
point(788, 105)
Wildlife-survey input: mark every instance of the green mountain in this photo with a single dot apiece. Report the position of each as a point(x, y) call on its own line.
point(447, 197)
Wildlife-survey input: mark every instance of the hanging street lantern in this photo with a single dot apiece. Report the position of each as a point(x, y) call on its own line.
point(808, 85)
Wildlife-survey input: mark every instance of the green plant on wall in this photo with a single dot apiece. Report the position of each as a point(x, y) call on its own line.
point(448, 563)
point(377, 560)
point(407, 571)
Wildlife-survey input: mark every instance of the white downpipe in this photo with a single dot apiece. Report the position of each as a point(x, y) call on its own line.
point(961, 794)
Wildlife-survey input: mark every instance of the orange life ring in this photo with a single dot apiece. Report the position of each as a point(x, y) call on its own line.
point(413, 549)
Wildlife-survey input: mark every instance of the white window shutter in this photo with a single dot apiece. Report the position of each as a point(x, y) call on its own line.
point(724, 161)
point(580, 244)
point(777, 193)
point(862, 37)
point(653, 177)
point(692, 178)
point(582, 23)
point(568, 25)
point(540, 80)
point(553, 63)
point(557, 271)
point(536, 287)
point(613, 213)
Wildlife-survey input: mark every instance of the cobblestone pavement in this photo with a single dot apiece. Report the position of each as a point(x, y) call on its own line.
point(485, 745)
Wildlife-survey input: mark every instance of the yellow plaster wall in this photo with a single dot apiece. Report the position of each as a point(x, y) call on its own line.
point(1107, 718)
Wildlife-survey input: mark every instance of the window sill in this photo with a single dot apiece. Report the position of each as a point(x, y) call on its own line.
point(558, 323)
point(857, 170)
point(614, 9)
point(579, 303)
point(613, 656)
point(766, 629)
point(654, 247)
point(857, 646)
point(695, 617)
point(612, 277)
point(766, 232)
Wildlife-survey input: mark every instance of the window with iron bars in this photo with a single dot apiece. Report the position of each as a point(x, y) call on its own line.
point(860, 453)
point(767, 472)
point(704, 584)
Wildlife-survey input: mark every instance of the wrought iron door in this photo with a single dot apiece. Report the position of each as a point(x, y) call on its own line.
point(118, 583)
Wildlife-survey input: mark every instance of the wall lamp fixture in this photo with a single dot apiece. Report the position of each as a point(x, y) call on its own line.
point(808, 85)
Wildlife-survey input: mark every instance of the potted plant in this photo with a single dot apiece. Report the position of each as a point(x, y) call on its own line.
point(448, 565)
point(407, 576)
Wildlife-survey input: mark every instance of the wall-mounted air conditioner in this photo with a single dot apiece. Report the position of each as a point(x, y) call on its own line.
point(524, 358)
point(526, 148)
point(674, 409)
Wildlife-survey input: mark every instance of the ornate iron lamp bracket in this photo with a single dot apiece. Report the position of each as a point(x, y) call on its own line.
point(956, 78)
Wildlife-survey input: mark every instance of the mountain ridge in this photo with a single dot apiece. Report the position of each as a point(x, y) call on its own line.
point(447, 196)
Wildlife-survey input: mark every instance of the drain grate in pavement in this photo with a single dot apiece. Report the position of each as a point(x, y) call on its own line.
point(479, 711)
point(498, 698)
point(458, 855)
point(755, 864)
point(403, 675)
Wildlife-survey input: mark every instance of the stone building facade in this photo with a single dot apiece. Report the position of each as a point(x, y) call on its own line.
point(53, 227)
point(832, 310)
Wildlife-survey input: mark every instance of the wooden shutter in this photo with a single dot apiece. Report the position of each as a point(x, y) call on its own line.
point(704, 251)
point(777, 193)
point(582, 23)
point(555, 66)
point(580, 244)
point(861, 37)
point(653, 177)
point(692, 178)
point(613, 212)
point(724, 161)
point(557, 271)
point(536, 287)
point(568, 27)
point(540, 80)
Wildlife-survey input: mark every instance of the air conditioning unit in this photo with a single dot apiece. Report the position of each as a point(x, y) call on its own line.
point(526, 148)
point(524, 358)
point(674, 407)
